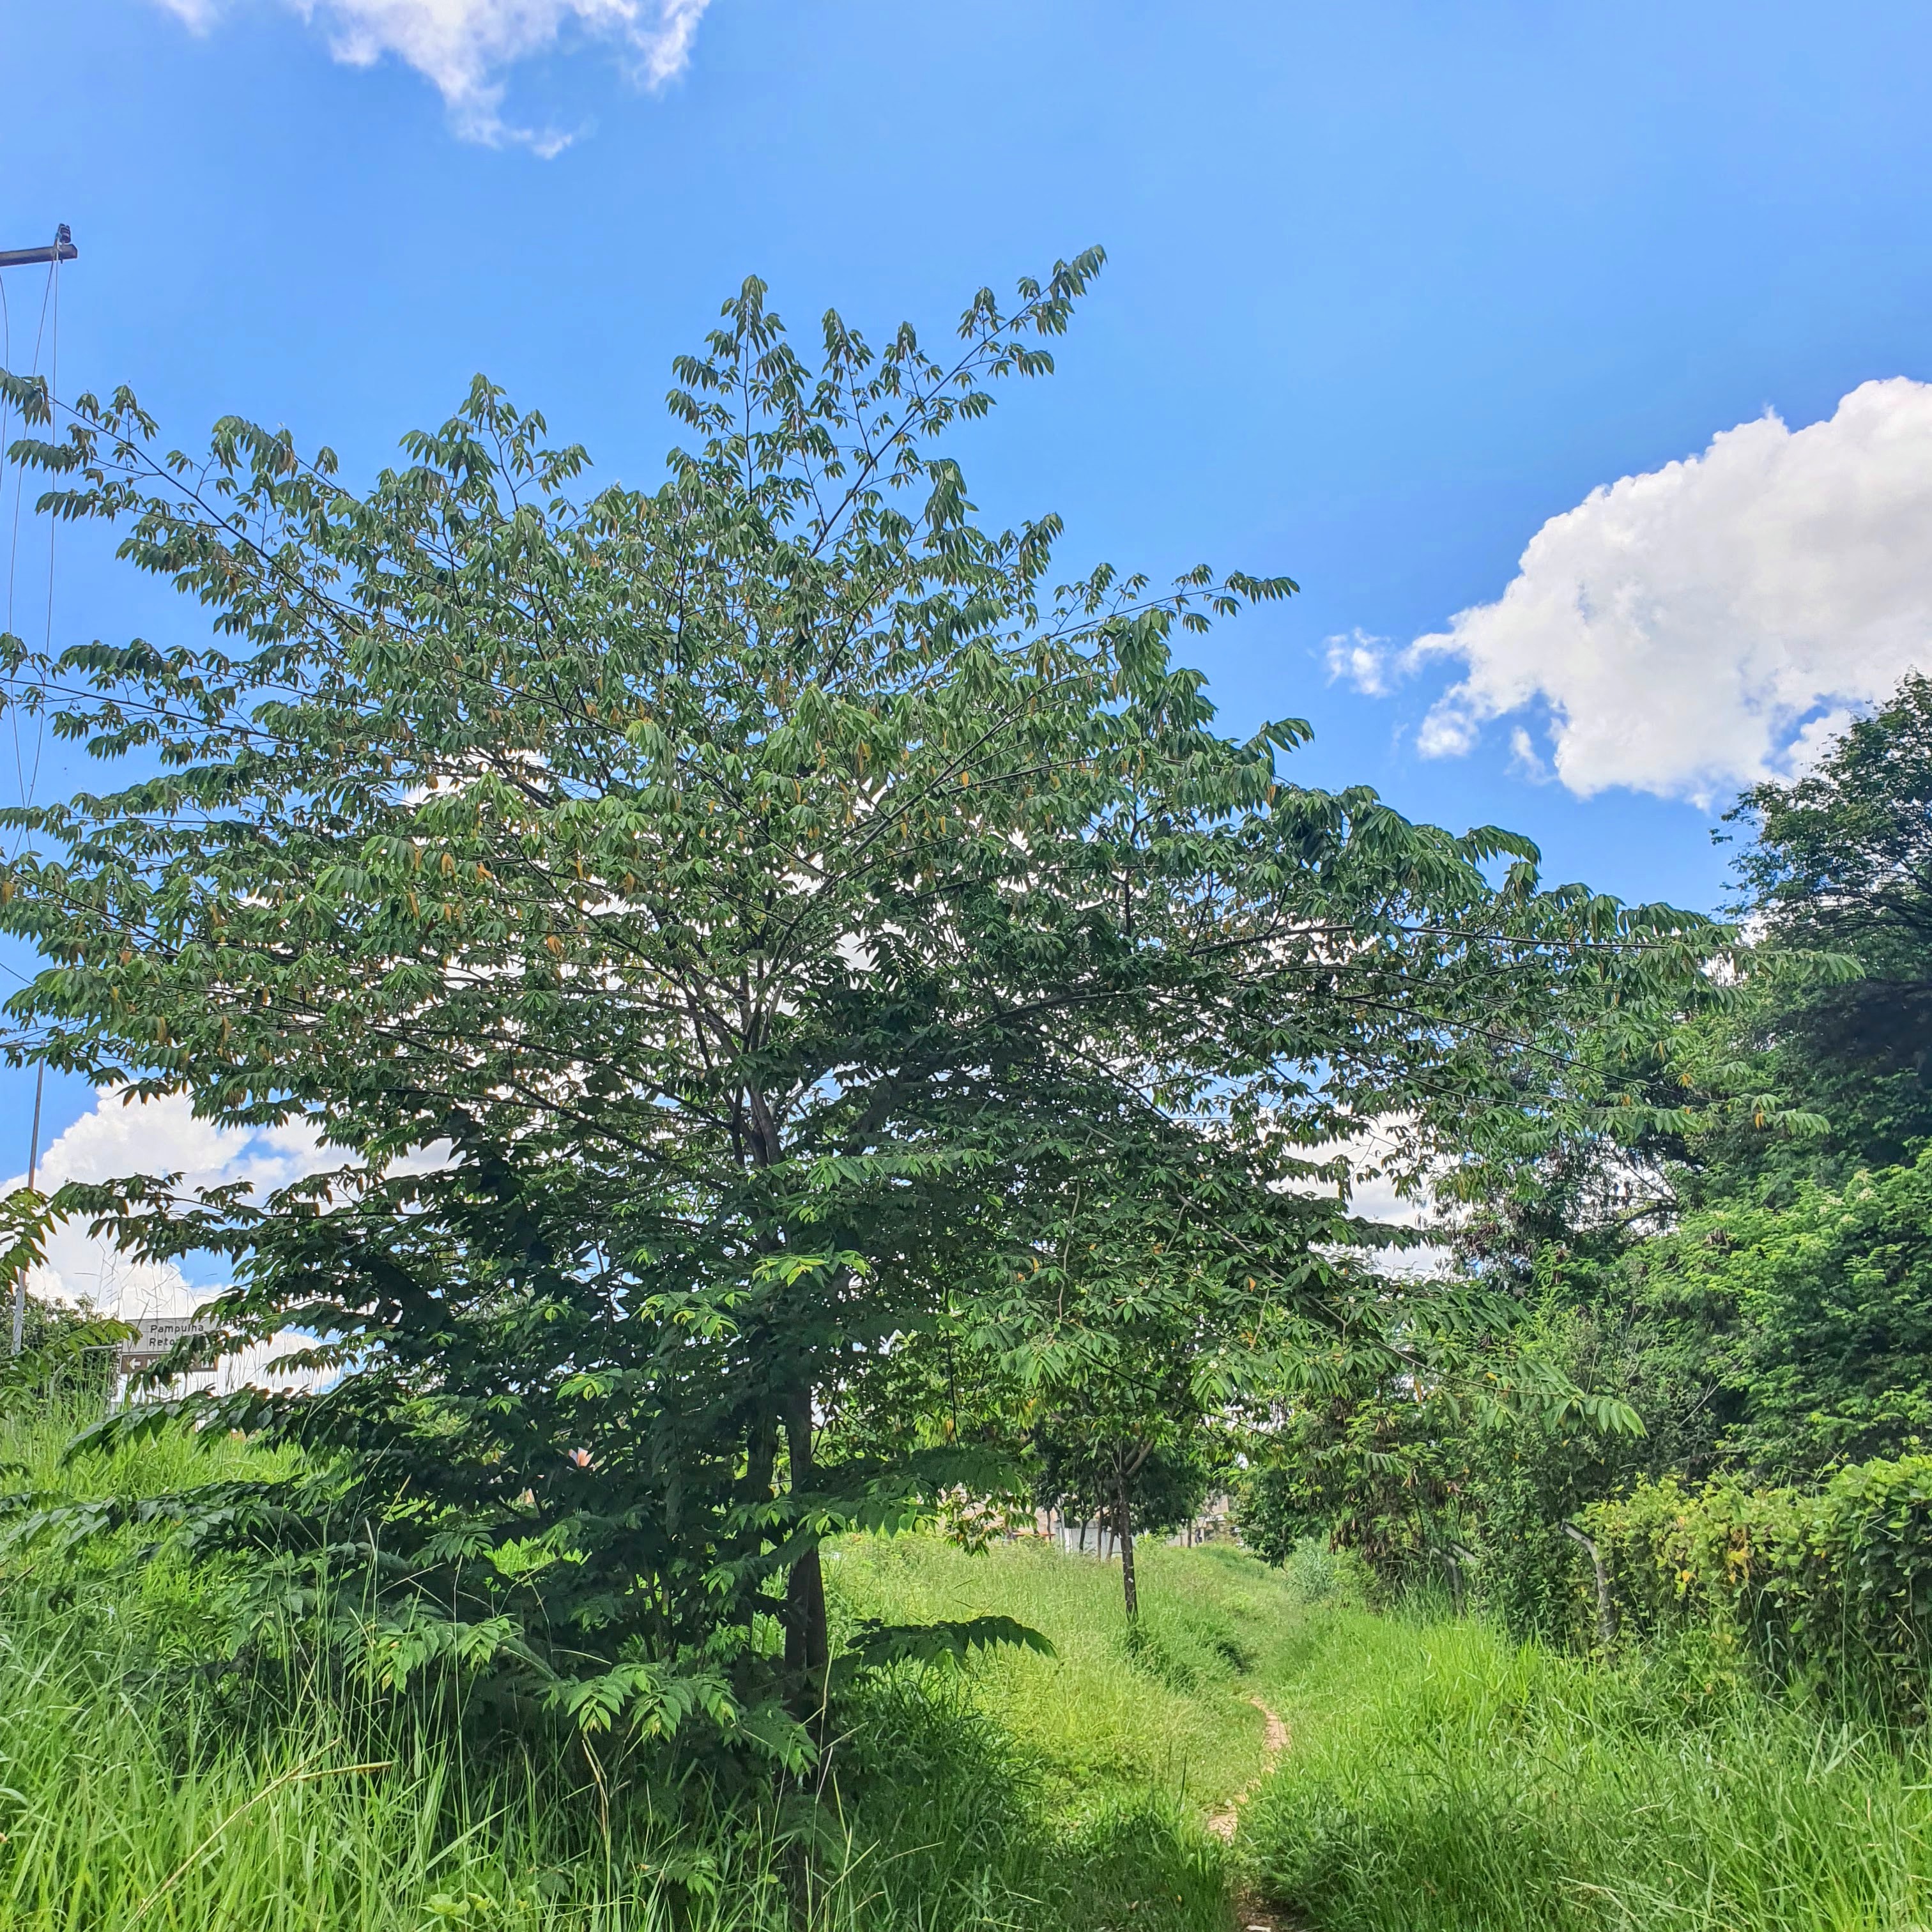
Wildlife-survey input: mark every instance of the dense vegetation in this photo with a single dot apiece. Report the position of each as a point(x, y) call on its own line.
point(1755, 1278)
point(1437, 1773)
point(138, 1786)
point(823, 1050)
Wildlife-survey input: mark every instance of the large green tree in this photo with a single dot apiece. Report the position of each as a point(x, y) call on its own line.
point(696, 915)
point(1810, 1320)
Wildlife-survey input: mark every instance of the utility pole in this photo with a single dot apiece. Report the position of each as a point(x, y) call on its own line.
point(61, 249)
point(33, 1163)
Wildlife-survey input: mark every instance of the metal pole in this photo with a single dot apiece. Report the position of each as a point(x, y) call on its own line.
point(62, 250)
point(40, 1072)
point(33, 1168)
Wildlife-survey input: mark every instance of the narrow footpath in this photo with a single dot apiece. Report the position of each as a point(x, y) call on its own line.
point(1250, 1914)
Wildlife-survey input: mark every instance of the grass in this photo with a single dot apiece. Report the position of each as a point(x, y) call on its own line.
point(1438, 1776)
point(1170, 1712)
point(137, 1790)
point(1441, 1777)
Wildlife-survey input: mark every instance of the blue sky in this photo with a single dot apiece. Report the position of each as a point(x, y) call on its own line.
point(1390, 287)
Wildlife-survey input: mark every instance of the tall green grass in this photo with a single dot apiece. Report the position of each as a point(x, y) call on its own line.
point(1441, 1777)
point(140, 1787)
point(129, 1803)
point(1168, 1709)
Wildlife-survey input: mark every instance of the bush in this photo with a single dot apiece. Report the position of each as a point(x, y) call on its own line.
point(1316, 1573)
point(1831, 1587)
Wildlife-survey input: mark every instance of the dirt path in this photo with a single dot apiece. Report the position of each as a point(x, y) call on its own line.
point(1250, 1914)
point(1274, 1741)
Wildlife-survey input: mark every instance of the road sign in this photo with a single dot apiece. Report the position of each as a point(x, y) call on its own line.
point(155, 1340)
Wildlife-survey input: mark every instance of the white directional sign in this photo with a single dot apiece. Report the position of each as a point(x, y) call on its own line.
point(158, 1334)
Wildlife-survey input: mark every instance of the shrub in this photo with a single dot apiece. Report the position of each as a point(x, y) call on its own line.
point(1832, 1586)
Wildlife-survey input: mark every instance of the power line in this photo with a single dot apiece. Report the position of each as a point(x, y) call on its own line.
point(60, 249)
point(47, 634)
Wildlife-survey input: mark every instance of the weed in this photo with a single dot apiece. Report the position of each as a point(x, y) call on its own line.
point(141, 1790)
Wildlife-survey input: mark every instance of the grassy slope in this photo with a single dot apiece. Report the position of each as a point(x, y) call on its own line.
point(1097, 1719)
point(1444, 1780)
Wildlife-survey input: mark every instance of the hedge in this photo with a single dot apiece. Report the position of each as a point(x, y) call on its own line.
point(1831, 1586)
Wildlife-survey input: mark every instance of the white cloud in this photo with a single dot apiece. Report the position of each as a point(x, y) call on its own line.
point(464, 47)
point(1360, 660)
point(153, 1137)
point(1709, 624)
point(164, 1137)
point(1525, 760)
point(1377, 1156)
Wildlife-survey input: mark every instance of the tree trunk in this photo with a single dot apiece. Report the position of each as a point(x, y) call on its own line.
point(761, 1453)
point(1606, 1603)
point(808, 1649)
point(1123, 1517)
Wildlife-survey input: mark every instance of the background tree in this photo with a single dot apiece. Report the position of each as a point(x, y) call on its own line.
point(1168, 1280)
point(1811, 1320)
point(64, 1352)
point(1840, 863)
point(1746, 1272)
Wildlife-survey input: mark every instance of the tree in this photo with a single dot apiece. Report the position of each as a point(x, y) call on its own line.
point(1165, 1280)
point(1112, 1329)
point(1745, 1273)
point(1093, 1468)
point(1461, 1463)
point(58, 1351)
point(1814, 1319)
point(1840, 864)
point(696, 914)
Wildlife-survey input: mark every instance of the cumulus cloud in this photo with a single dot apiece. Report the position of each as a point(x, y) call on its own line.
point(465, 47)
point(1708, 624)
point(153, 1137)
point(164, 1137)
